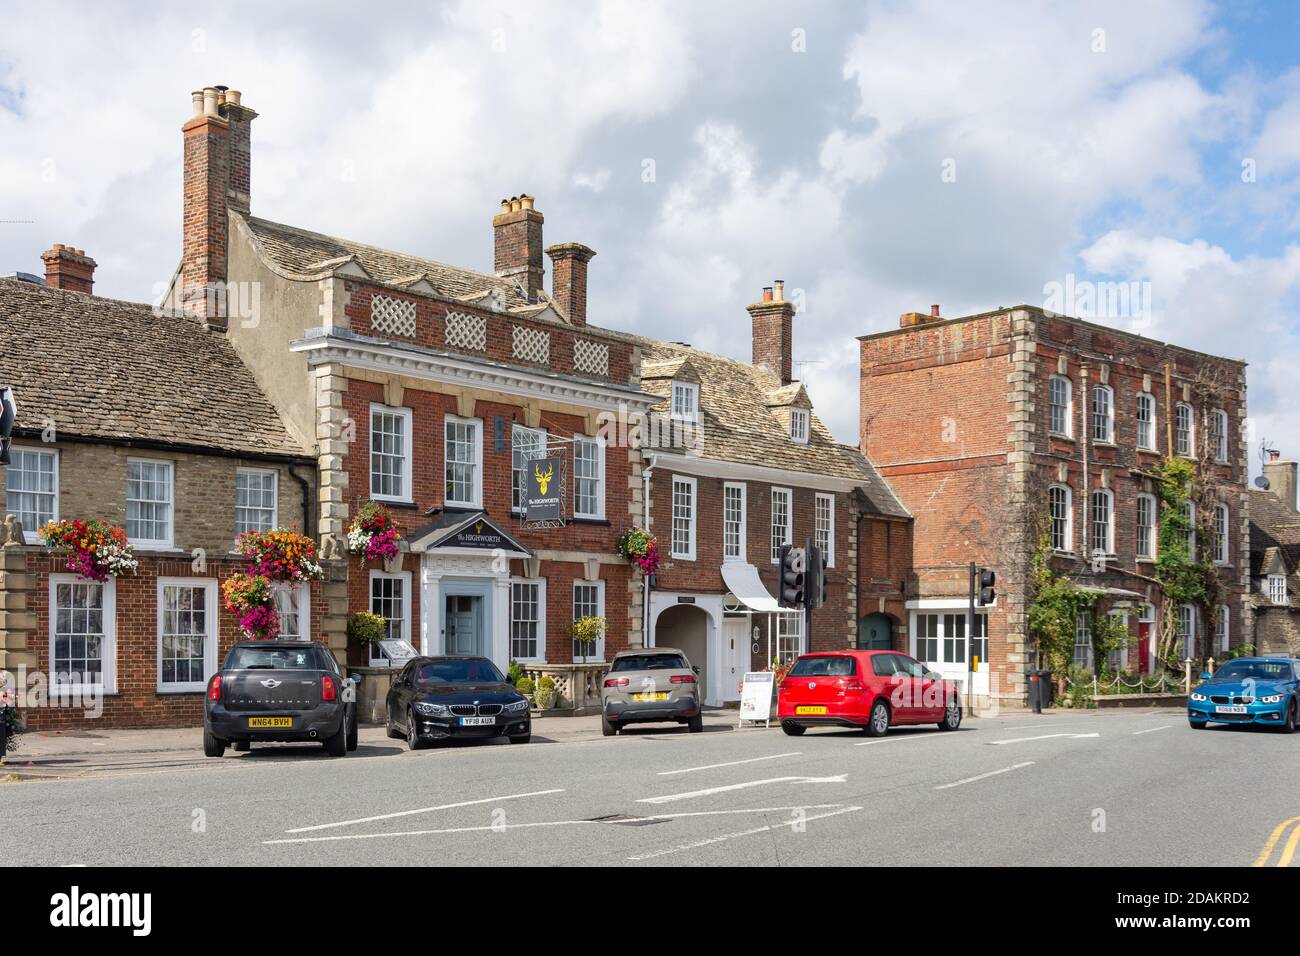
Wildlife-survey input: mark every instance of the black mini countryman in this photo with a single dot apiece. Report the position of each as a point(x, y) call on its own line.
point(436, 698)
point(279, 691)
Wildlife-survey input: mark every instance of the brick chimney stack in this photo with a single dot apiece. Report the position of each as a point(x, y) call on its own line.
point(517, 233)
point(909, 319)
point(69, 268)
point(1281, 477)
point(217, 180)
point(569, 279)
point(772, 320)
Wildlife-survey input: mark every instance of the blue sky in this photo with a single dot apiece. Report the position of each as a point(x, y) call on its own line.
point(878, 157)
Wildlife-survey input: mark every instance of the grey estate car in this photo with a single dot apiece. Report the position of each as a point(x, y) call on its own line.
point(650, 685)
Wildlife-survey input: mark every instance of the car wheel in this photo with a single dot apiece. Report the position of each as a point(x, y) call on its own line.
point(792, 730)
point(607, 728)
point(696, 724)
point(212, 746)
point(951, 716)
point(1197, 724)
point(878, 723)
point(352, 730)
point(1290, 725)
point(413, 741)
point(521, 739)
point(337, 745)
point(241, 746)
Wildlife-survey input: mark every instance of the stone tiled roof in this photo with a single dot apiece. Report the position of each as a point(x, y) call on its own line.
point(739, 425)
point(102, 368)
point(303, 254)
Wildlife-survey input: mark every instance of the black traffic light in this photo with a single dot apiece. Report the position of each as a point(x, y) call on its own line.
point(815, 583)
point(790, 584)
point(987, 580)
point(8, 415)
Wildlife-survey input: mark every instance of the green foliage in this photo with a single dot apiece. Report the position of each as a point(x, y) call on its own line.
point(525, 686)
point(587, 631)
point(1241, 650)
point(365, 627)
point(1182, 580)
point(544, 694)
point(515, 673)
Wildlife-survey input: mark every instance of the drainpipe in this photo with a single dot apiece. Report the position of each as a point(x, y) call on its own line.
point(645, 578)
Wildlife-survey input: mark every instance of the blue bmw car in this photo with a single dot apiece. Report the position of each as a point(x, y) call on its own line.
point(1248, 690)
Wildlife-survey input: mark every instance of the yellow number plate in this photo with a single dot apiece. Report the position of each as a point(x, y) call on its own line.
point(262, 722)
point(657, 695)
point(811, 711)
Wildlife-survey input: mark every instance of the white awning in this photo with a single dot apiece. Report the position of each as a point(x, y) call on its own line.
point(743, 581)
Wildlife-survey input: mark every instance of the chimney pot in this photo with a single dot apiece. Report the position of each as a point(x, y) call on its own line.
point(934, 311)
point(233, 97)
point(778, 290)
point(772, 333)
point(505, 205)
point(210, 101)
point(767, 293)
point(69, 268)
point(526, 201)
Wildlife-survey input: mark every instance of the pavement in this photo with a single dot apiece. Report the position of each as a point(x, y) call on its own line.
point(1096, 788)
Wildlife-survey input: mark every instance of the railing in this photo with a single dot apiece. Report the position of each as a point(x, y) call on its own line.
point(577, 686)
point(1167, 682)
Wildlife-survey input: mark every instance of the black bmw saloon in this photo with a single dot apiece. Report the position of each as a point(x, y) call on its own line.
point(441, 698)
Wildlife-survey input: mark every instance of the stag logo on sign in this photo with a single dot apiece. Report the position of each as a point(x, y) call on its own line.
point(543, 477)
point(75, 909)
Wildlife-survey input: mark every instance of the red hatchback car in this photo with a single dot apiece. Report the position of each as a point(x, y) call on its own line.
point(871, 690)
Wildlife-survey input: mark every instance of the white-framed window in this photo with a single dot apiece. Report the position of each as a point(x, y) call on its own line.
point(149, 502)
point(1083, 640)
point(525, 444)
point(527, 619)
point(939, 637)
point(1146, 421)
point(32, 488)
point(293, 604)
point(187, 633)
point(824, 527)
point(1146, 527)
point(1277, 588)
point(734, 508)
point(1221, 533)
point(390, 453)
point(1061, 508)
point(589, 601)
point(1103, 414)
point(926, 638)
point(1222, 629)
point(390, 598)
point(683, 528)
point(1060, 401)
point(789, 635)
point(1187, 630)
point(255, 499)
point(83, 635)
point(799, 425)
point(1219, 434)
point(1102, 519)
point(686, 401)
point(588, 477)
point(463, 455)
point(782, 521)
point(1184, 429)
point(1189, 511)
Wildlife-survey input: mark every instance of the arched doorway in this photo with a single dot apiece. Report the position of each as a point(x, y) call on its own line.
point(686, 627)
point(876, 633)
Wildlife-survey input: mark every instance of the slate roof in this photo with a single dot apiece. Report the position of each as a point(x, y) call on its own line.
point(739, 425)
point(303, 254)
point(103, 368)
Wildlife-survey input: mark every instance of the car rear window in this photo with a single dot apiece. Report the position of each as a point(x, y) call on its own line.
point(305, 658)
point(824, 667)
point(650, 662)
point(458, 672)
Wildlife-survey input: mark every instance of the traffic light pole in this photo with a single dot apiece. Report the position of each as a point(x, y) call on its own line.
point(970, 641)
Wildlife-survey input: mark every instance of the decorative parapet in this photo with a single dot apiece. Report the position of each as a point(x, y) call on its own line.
point(577, 686)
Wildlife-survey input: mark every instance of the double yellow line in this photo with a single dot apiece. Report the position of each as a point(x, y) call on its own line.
point(1288, 850)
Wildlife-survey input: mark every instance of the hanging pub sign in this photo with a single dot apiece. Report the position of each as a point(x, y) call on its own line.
point(542, 501)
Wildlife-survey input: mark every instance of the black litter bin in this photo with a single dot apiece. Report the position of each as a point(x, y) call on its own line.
point(1040, 690)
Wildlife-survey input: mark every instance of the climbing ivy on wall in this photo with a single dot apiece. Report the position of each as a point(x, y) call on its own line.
point(1184, 577)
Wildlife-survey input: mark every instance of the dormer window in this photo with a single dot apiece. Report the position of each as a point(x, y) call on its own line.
point(1277, 588)
point(686, 401)
point(799, 425)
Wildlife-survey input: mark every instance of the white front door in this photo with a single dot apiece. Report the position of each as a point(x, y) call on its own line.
point(735, 655)
point(938, 640)
point(463, 621)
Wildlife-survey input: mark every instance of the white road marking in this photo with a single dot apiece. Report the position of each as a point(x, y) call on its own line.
point(547, 823)
point(691, 794)
point(936, 735)
point(1021, 740)
point(407, 813)
point(743, 833)
point(730, 763)
point(984, 776)
point(1151, 730)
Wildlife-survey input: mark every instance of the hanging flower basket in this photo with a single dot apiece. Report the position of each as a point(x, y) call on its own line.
point(251, 598)
point(96, 550)
point(373, 534)
point(641, 548)
point(280, 555)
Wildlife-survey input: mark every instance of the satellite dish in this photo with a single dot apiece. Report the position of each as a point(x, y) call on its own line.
point(1261, 482)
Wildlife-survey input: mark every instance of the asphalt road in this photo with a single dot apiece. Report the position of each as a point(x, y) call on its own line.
point(1091, 789)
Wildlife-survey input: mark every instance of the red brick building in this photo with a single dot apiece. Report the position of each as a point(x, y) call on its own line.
point(984, 423)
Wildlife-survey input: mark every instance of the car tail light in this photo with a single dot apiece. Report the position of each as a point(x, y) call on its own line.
point(683, 678)
point(327, 689)
point(214, 687)
point(617, 682)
